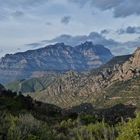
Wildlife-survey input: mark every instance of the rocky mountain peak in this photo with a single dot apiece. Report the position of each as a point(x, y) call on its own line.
point(130, 68)
point(87, 44)
point(136, 58)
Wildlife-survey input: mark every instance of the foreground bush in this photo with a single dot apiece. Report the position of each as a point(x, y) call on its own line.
point(26, 127)
point(130, 130)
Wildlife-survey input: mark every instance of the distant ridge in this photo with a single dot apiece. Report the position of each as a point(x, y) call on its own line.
point(58, 57)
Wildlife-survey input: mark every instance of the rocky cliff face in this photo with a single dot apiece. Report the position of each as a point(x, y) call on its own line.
point(130, 68)
point(94, 56)
point(58, 57)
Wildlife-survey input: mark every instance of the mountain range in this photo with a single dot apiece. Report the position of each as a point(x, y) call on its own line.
point(117, 81)
point(41, 82)
point(52, 58)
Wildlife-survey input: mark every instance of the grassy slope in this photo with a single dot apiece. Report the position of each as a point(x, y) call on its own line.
point(31, 85)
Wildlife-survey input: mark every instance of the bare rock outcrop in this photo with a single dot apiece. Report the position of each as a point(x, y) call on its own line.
point(129, 69)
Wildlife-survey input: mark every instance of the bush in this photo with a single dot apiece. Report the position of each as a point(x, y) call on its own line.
point(24, 127)
point(98, 131)
point(87, 119)
point(130, 130)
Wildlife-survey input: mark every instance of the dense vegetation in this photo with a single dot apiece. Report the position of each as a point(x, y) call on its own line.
point(22, 118)
point(26, 127)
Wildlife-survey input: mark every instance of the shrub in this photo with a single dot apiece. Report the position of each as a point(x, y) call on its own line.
point(87, 119)
point(98, 131)
point(130, 130)
point(26, 127)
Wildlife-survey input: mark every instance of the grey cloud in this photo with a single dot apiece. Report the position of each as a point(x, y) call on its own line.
point(95, 37)
point(120, 31)
point(35, 45)
point(105, 31)
point(80, 2)
point(66, 19)
point(127, 47)
point(130, 30)
point(6, 15)
point(21, 3)
point(17, 14)
point(133, 44)
point(48, 23)
point(3, 16)
point(16, 8)
point(116, 47)
point(130, 46)
point(121, 8)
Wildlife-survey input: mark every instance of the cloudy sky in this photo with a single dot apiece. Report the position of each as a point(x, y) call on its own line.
point(30, 24)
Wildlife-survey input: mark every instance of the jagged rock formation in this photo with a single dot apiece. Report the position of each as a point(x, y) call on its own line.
point(129, 69)
point(58, 57)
